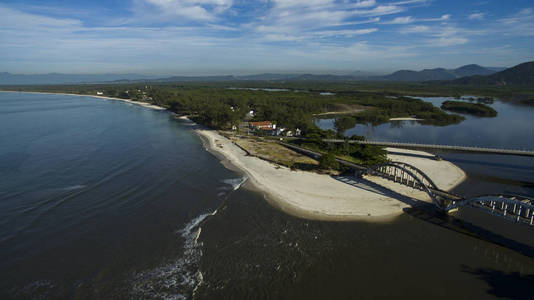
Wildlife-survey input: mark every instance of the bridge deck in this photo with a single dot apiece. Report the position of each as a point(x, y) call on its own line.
point(438, 147)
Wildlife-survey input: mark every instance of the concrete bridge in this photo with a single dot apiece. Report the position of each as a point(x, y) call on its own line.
point(512, 207)
point(437, 147)
point(516, 208)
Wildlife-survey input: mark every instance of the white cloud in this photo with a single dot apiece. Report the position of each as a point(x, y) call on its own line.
point(16, 19)
point(346, 33)
point(446, 41)
point(519, 24)
point(202, 10)
point(365, 3)
point(415, 29)
point(401, 20)
point(410, 19)
point(476, 16)
point(442, 18)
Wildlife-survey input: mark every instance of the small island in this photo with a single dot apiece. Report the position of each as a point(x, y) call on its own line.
point(476, 109)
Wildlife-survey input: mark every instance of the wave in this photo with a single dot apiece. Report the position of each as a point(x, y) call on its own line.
point(236, 183)
point(180, 278)
point(73, 187)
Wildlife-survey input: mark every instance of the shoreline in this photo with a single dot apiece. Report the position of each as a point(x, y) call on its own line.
point(142, 104)
point(322, 197)
point(406, 119)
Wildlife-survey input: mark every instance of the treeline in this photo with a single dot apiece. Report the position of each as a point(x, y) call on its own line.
point(221, 107)
point(476, 109)
point(367, 155)
point(389, 108)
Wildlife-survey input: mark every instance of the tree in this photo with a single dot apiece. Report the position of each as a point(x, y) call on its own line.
point(328, 161)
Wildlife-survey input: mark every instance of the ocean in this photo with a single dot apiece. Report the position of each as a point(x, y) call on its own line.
point(105, 199)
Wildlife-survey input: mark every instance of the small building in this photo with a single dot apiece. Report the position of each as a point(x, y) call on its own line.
point(278, 131)
point(100, 93)
point(263, 125)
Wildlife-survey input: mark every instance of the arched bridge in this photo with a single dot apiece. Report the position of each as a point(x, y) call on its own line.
point(408, 175)
point(513, 207)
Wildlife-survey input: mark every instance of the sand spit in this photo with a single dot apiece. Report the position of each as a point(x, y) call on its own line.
point(322, 197)
point(143, 104)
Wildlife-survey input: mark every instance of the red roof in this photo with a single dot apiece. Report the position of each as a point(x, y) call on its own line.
point(262, 123)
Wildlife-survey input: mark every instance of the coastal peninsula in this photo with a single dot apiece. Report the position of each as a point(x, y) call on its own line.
point(326, 197)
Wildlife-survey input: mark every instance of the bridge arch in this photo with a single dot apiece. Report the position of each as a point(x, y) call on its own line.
point(407, 175)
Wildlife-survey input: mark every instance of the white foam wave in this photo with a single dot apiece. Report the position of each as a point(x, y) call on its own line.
point(236, 183)
point(74, 187)
point(178, 279)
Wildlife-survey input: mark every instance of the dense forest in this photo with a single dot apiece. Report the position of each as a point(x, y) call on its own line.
point(476, 109)
point(220, 106)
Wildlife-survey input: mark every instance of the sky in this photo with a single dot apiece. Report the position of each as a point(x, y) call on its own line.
point(215, 37)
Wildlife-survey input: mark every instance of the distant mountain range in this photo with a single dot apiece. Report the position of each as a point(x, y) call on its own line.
point(439, 73)
point(522, 74)
point(469, 74)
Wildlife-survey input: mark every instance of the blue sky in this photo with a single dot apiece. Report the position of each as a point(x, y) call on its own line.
point(200, 37)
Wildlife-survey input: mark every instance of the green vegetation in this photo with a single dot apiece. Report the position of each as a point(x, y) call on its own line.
point(328, 161)
point(222, 105)
point(366, 155)
point(477, 109)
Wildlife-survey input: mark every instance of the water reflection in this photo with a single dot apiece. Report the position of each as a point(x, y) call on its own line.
point(507, 130)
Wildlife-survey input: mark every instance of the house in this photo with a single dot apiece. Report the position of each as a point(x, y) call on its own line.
point(263, 125)
point(100, 93)
point(278, 131)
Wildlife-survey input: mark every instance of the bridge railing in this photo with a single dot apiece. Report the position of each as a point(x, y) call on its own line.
point(511, 207)
point(437, 147)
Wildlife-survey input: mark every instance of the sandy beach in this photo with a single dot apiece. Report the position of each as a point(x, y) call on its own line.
point(323, 197)
point(143, 104)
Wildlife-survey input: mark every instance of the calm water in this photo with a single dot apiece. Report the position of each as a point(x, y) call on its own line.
point(487, 173)
point(102, 199)
point(96, 197)
point(510, 129)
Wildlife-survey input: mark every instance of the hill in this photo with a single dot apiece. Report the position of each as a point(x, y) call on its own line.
point(437, 74)
point(522, 74)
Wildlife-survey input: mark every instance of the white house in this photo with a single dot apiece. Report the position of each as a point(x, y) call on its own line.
point(278, 131)
point(100, 93)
